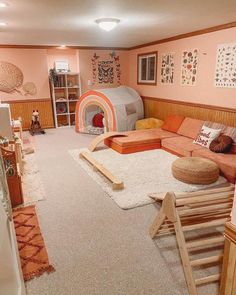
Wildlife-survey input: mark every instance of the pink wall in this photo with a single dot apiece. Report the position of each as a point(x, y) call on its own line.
point(36, 63)
point(204, 92)
point(33, 64)
point(85, 64)
point(71, 55)
point(81, 61)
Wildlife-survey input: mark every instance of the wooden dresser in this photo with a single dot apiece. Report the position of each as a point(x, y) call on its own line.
point(13, 176)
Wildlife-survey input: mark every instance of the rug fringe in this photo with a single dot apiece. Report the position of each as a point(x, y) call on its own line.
point(15, 209)
point(48, 269)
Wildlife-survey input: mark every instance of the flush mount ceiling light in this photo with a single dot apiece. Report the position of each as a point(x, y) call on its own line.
point(3, 4)
point(107, 24)
point(2, 24)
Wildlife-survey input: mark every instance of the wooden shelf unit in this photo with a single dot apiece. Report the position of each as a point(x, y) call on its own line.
point(65, 92)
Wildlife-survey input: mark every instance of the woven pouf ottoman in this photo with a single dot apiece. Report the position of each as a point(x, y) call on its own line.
point(195, 170)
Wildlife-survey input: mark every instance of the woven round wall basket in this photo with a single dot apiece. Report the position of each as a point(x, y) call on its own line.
point(195, 170)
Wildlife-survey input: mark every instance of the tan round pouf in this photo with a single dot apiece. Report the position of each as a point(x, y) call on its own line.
point(195, 170)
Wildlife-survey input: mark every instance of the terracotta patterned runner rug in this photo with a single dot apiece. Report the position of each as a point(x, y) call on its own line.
point(32, 250)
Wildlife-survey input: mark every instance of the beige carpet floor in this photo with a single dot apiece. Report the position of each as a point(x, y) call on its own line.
point(95, 247)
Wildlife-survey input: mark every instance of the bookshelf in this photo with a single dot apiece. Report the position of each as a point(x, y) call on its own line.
point(65, 92)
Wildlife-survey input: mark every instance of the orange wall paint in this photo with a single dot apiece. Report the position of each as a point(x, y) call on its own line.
point(33, 64)
point(204, 92)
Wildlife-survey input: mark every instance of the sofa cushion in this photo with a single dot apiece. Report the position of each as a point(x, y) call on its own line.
point(180, 145)
point(226, 162)
point(214, 125)
point(190, 127)
point(230, 131)
point(172, 123)
point(142, 137)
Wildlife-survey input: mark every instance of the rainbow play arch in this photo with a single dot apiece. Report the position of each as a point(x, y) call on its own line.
point(121, 106)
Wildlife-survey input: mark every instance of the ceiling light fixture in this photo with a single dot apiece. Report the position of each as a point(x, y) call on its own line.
point(3, 4)
point(2, 24)
point(107, 24)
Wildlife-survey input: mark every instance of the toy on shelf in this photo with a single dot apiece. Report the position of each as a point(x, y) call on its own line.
point(35, 127)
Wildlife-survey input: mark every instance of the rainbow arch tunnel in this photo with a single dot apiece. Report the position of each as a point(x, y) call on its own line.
point(121, 106)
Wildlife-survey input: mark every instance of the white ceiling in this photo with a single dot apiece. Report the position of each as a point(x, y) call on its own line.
point(71, 22)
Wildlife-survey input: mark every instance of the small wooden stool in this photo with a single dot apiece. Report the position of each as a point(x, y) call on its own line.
point(195, 170)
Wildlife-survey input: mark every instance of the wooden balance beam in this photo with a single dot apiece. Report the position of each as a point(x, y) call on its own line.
point(117, 184)
point(195, 211)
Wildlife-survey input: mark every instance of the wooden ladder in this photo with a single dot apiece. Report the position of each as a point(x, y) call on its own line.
point(190, 212)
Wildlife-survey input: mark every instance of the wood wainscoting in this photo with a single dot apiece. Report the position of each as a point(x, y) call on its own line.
point(160, 108)
point(24, 109)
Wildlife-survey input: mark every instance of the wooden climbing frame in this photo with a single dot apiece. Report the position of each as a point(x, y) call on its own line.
point(194, 211)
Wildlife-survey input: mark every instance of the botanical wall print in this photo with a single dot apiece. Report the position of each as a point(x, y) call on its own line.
point(189, 67)
point(167, 68)
point(11, 80)
point(225, 73)
point(106, 71)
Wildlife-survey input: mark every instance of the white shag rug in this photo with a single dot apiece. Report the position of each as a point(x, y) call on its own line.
point(32, 186)
point(142, 173)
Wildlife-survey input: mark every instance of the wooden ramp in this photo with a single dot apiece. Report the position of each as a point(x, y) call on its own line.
point(117, 184)
point(190, 212)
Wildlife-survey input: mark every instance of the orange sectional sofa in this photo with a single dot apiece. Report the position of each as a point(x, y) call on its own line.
point(177, 138)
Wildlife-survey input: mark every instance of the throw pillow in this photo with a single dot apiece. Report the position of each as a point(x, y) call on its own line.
point(172, 123)
point(222, 144)
point(206, 136)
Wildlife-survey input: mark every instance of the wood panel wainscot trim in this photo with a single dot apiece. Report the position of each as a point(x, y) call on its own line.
point(228, 278)
point(161, 108)
point(24, 108)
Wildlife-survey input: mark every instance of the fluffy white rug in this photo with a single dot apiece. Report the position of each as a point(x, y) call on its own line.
point(142, 173)
point(32, 186)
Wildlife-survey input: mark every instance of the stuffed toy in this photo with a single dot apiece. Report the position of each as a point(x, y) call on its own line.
point(35, 127)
